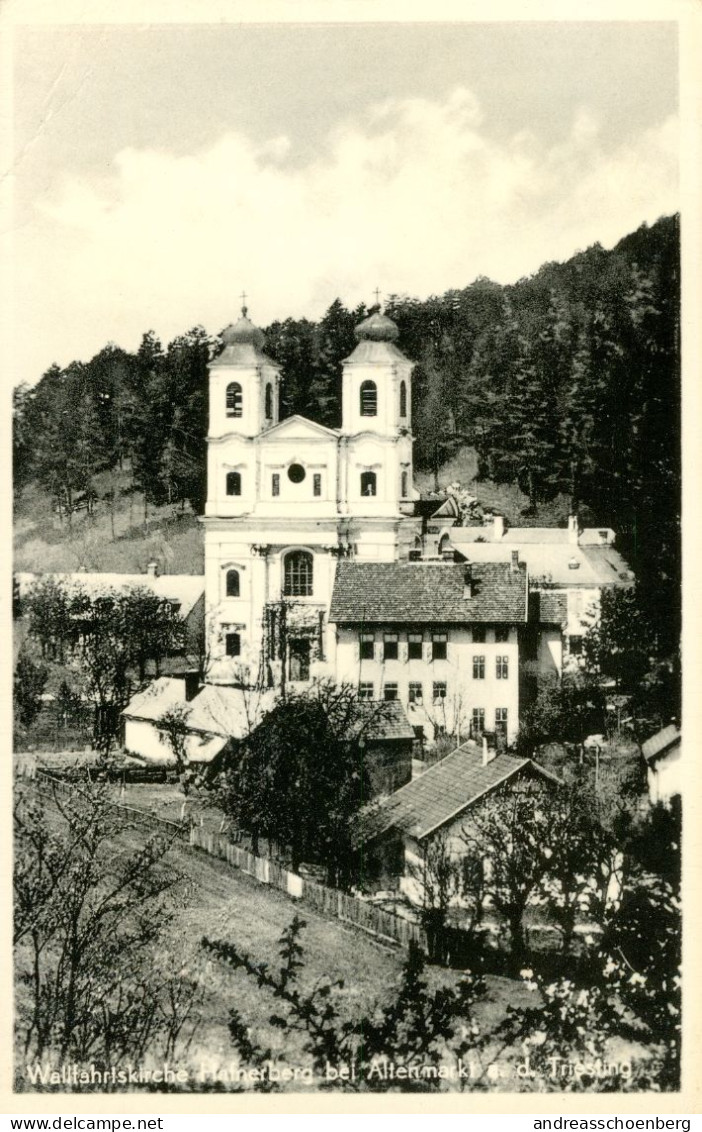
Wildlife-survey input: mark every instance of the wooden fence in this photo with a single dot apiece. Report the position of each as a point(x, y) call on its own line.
point(377, 922)
point(48, 784)
point(349, 909)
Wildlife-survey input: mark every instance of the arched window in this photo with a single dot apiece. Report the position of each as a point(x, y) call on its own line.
point(298, 574)
point(234, 400)
point(368, 483)
point(269, 402)
point(369, 399)
point(404, 487)
point(232, 583)
point(403, 398)
point(233, 483)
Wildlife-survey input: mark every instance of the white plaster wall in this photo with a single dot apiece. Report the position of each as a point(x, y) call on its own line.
point(664, 778)
point(550, 654)
point(253, 381)
point(463, 692)
point(387, 377)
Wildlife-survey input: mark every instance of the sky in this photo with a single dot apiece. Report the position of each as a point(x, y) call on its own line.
point(159, 171)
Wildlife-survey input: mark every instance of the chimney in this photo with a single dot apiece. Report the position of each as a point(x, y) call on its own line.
point(468, 580)
point(489, 752)
point(573, 529)
point(498, 527)
point(152, 569)
point(514, 567)
point(191, 679)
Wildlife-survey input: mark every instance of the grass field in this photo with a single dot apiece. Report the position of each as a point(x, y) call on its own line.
point(169, 535)
point(214, 900)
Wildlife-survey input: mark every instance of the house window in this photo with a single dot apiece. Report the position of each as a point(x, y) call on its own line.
point(234, 400)
point(298, 574)
point(369, 399)
point(501, 633)
point(275, 484)
point(233, 483)
point(478, 667)
point(501, 720)
point(502, 667)
point(575, 645)
point(316, 484)
point(439, 691)
point(368, 483)
point(478, 633)
point(390, 646)
point(390, 692)
point(403, 399)
point(414, 646)
point(366, 691)
point(478, 721)
point(232, 644)
point(415, 693)
point(269, 402)
point(232, 583)
point(367, 643)
point(439, 645)
point(404, 485)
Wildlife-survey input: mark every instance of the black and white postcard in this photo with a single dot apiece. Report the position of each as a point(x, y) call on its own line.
point(345, 350)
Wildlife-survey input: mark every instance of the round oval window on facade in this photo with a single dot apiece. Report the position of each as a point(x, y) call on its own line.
point(296, 473)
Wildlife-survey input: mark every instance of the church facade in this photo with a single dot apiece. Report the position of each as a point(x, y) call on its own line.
point(287, 500)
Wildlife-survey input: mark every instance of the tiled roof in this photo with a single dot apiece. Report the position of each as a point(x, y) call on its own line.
point(382, 720)
point(542, 536)
point(427, 593)
point(184, 590)
point(551, 563)
point(214, 710)
point(159, 697)
point(550, 608)
point(443, 792)
point(670, 736)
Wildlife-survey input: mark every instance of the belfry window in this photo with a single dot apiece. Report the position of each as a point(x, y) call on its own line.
point(234, 400)
point(269, 403)
point(369, 399)
point(298, 574)
point(232, 583)
point(403, 398)
point(404, 485)
point(368, 483)
point(233, 483)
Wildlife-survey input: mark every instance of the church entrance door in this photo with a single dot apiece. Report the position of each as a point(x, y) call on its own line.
point(299, 659)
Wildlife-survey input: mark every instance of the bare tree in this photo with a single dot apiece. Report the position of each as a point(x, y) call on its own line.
point(89, 929)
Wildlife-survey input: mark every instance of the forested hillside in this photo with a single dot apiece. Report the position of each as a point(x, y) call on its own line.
point(565, 382)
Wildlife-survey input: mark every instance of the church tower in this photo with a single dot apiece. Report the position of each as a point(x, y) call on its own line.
point(376, 429)
point(244, 402)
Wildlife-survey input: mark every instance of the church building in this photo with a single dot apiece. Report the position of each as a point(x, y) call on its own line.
point(318, 563)
point(287, 500)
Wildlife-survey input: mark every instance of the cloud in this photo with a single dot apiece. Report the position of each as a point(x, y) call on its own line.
point(413, 196)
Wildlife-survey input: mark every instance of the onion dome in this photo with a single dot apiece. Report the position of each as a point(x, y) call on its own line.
point(243, 333)
point(377, 328)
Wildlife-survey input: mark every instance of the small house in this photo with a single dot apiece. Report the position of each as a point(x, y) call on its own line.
point(662, 755)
